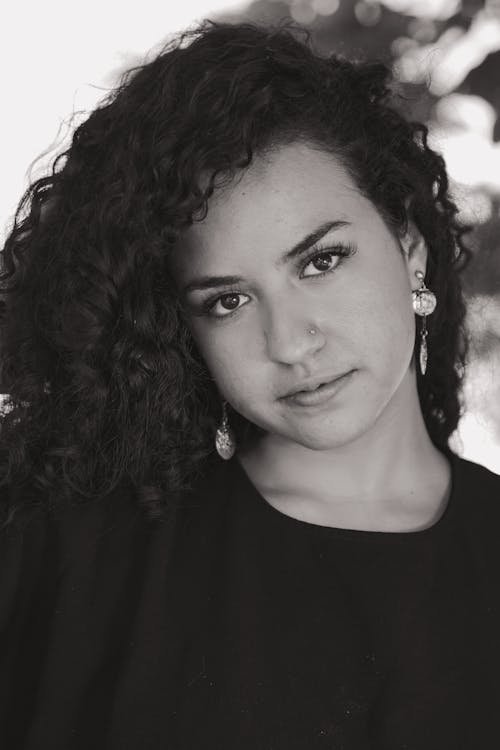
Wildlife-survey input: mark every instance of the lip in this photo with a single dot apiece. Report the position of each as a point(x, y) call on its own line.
point(314, 383)
point(321, 394)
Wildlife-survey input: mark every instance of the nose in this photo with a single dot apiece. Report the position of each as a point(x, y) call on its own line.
point(288, 336)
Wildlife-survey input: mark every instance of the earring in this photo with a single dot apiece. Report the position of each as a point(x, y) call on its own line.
point(424, 303)
point(225, 441)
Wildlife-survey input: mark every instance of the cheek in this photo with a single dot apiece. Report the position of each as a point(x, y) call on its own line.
point(385, 318)
point(221, 355)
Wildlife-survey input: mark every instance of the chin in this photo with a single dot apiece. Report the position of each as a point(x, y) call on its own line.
point(327, 436)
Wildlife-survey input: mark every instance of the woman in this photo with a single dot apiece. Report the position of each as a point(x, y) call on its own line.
point(233, 339)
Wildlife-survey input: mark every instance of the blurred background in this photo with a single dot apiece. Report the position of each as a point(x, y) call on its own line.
point(59, 59)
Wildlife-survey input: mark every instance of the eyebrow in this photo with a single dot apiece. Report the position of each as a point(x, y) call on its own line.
point(210, 282)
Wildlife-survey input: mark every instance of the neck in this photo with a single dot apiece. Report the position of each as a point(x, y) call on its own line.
point(395, 460)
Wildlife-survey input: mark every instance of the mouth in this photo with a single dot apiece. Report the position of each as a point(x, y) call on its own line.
point(321, 394)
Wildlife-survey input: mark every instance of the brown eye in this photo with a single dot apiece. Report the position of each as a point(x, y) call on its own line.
point(323, 259)
point(322, 255)
point(233, 297)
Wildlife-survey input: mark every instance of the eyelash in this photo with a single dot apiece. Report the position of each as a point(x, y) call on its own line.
point(340, 250)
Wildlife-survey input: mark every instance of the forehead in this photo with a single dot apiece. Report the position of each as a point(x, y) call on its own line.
point(280, 196)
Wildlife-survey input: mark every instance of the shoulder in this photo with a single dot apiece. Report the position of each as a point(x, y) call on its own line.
point(41, 544)
point(474, 477)
point(107, 533)
point(75, 569)
point(477, 494)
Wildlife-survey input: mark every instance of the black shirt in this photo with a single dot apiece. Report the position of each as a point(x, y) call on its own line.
point(231, 625)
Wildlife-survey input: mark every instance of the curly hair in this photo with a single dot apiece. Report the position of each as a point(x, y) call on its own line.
point(104, 382)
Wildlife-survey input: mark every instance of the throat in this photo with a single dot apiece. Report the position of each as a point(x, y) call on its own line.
point(410, 510)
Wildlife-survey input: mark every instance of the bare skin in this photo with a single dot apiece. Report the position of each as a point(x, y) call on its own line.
point(364, 460)
point(421, 508)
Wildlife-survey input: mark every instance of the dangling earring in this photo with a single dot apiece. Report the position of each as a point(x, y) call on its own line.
point(225, 441)
point(424, 303)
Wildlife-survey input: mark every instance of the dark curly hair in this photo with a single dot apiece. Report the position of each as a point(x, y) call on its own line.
point(105, 384)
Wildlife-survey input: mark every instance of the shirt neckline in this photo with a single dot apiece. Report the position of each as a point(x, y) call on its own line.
point(252, 495)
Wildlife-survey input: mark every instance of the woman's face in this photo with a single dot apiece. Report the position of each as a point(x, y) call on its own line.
point(255, 339)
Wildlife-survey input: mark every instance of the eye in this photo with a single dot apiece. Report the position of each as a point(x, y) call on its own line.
point(323, 256)
point(223, 299)
point(231, 298)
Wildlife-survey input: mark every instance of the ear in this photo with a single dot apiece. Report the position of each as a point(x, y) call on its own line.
point(415, 253)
